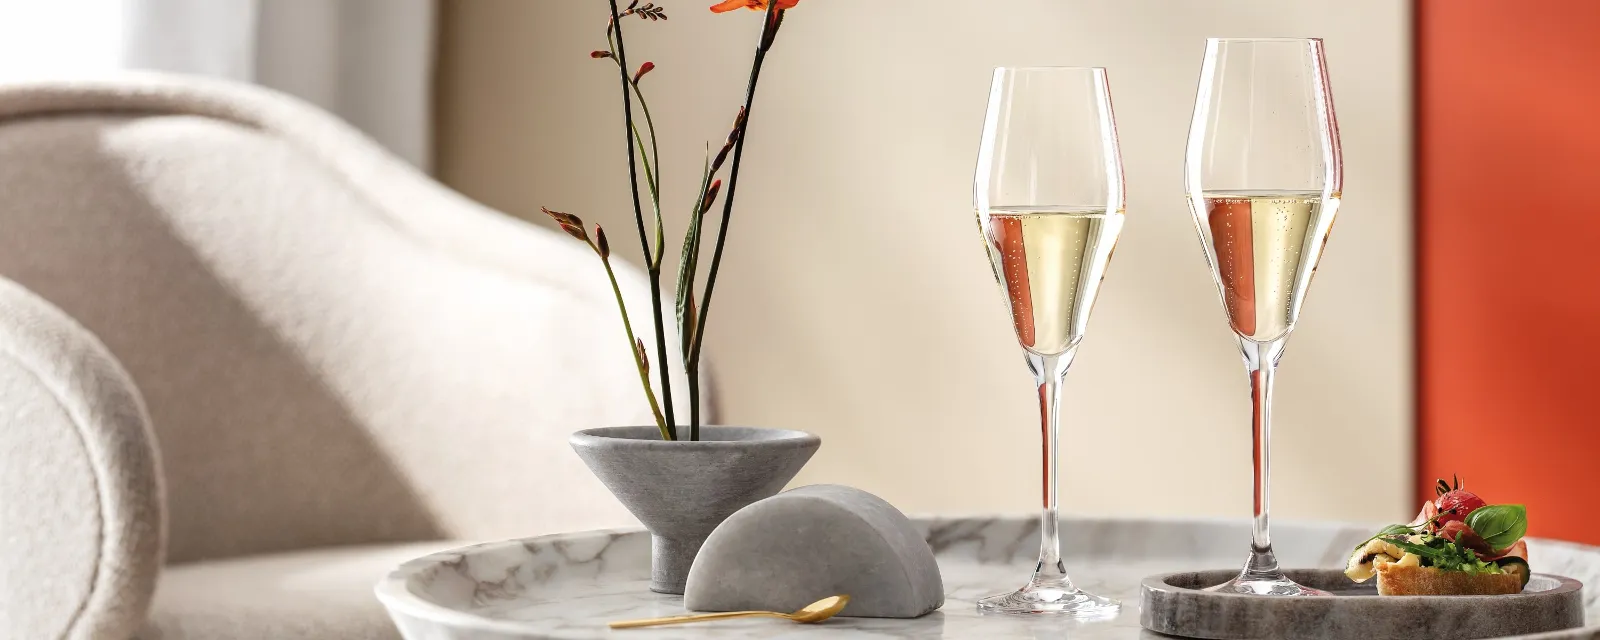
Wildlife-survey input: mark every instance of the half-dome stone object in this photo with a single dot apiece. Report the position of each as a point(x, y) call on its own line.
point(802, 545)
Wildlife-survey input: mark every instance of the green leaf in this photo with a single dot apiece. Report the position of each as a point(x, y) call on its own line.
point(1391, 530)
point(689, 261)
point(1443, 554)
point(1440, 553)
point(1420, 549)
point(1396, 530)
point(1500, 525)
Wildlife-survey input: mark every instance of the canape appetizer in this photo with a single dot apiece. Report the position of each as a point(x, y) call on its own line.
point(1458, 545)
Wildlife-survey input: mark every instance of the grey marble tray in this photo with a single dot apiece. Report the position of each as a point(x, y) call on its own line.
point(568, 586)
point(1177, 604)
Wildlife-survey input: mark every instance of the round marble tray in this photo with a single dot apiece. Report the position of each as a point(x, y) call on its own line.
point(568, 586)
point(1177, 604)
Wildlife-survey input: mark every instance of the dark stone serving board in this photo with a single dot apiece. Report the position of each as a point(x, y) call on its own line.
point(1175, 604)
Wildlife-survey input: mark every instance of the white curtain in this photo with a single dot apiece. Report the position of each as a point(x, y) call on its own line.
point(368, 61)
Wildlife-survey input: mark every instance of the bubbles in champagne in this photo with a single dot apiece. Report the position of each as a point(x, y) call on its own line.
point(1264, 248)
point(1050, 261)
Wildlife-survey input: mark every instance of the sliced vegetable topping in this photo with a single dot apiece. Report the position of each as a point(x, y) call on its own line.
point(1515, 566)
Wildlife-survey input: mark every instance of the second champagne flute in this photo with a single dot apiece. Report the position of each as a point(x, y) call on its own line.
point(1049, 200)
point(1264, 178)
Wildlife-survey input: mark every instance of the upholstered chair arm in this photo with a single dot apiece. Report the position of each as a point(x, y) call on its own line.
point(81, 508)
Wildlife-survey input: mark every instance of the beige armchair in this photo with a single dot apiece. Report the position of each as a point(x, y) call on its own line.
point(341, 365)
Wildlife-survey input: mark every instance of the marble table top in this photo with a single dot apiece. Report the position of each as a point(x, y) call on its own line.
point(568, 586)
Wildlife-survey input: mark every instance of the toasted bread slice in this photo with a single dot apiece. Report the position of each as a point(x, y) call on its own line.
point(1397, 580)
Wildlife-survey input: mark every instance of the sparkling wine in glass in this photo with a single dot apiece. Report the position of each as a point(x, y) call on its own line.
point(1049, 200)
point(1263, 174)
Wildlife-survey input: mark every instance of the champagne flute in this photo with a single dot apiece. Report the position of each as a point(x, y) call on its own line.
point(1049, 200)
point(1263, 174)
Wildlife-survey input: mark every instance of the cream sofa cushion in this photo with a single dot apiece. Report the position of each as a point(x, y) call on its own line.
point(80, 494)
point(308, 594)
point(333, 350)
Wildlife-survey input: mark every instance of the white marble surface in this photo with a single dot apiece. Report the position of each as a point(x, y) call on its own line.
point(569, 586)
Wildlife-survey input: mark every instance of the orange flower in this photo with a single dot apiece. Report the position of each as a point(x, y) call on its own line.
point(753, 5)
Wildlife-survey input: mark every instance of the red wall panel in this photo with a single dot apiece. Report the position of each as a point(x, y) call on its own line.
point(1508, 255)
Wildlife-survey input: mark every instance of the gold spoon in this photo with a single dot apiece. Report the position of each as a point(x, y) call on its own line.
point(814, 612)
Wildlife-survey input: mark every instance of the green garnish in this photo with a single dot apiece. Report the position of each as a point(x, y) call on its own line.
point(1405, 529)
point(1396, 530)
point(1441, 553)
point(1500, 525)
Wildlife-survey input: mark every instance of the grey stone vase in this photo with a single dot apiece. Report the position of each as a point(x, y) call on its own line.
point(682, 490)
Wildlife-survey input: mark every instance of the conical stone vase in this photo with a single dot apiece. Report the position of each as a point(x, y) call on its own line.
point(682, 490)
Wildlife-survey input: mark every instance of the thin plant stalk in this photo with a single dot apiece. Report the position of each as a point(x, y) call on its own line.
point(652, 163)
point(652, 174)
point(771, 21)
point(669, 423)
point(705, 198)
point(573, 226)
point(639, 361)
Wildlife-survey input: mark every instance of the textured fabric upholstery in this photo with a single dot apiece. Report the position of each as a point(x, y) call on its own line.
point(309, 594)
point(333, 349)
point(80, 498)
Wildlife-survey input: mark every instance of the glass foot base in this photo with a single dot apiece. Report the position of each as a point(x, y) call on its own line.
point(1273, 586)
point(1061, 599)
point(1262, 577)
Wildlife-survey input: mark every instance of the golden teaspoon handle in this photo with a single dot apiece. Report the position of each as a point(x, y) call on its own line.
point(696, 617)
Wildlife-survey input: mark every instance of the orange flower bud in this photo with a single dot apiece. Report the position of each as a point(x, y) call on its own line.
point(647, 67)
point(733, 137)
point(711, 196)
point(571, 224)
point(600, 243)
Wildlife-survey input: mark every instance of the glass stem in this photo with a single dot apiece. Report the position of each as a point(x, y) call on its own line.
point(1261, 363)
point(1049, 372)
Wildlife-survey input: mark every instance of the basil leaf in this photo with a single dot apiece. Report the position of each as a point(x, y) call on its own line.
point(1500, 525)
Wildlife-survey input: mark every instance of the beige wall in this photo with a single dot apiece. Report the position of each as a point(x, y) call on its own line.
point(856, 301)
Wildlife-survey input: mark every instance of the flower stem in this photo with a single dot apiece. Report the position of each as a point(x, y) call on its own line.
point(655, 198)
point(669, 430)
point(639, 363)
point(652, 162)
point(769, 25)
point(653, 177)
